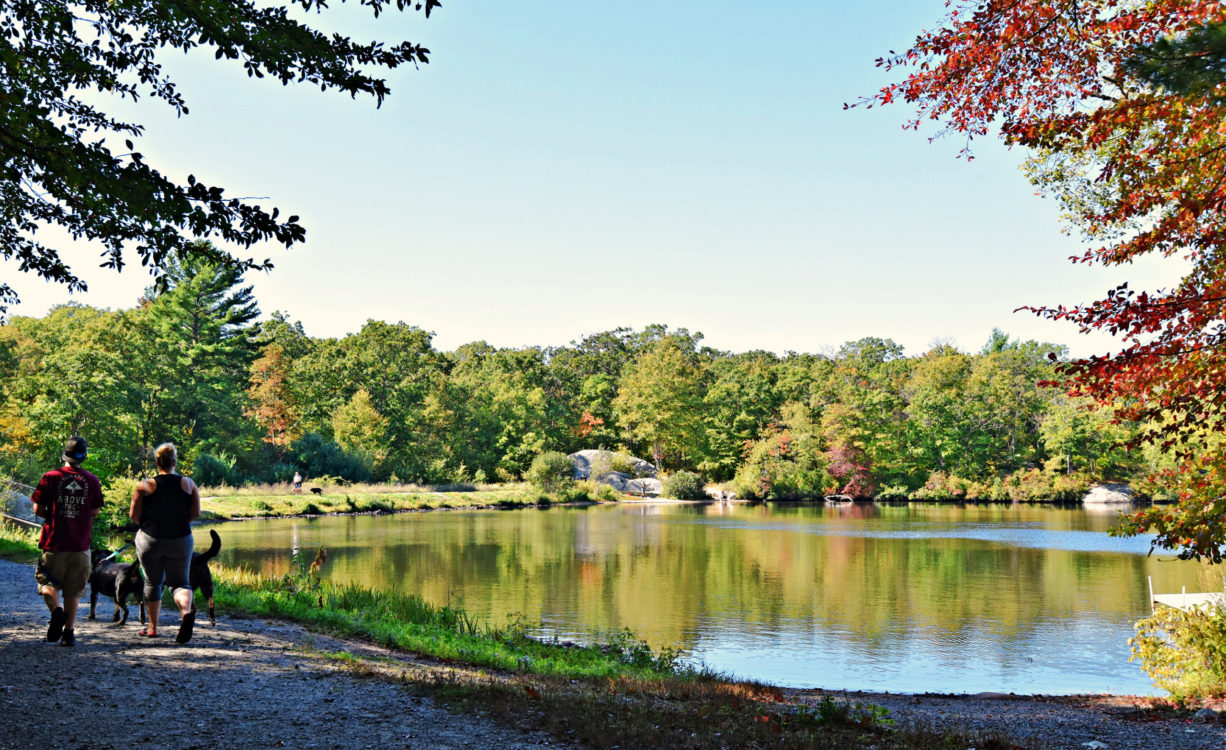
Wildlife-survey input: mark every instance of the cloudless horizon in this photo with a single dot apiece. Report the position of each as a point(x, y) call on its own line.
point(559, 169)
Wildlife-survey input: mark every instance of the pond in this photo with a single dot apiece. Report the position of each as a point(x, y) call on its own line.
point(909, 598)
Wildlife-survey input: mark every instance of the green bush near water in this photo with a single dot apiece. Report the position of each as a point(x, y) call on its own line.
point(684, 485)
point(210, 471)
point(550, 471)
point(1184, 653)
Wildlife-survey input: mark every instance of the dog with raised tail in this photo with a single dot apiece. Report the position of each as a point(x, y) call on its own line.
point(199, 575)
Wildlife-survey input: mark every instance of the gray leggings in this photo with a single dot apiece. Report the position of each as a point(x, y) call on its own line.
point(163, 558)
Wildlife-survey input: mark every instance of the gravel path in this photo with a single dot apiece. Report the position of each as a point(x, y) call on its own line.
point(243, 683)
point(258, 683)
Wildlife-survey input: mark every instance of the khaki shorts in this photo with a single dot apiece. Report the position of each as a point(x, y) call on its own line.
point(66, 571)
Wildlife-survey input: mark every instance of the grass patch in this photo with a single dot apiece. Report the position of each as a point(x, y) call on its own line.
point(331, 486)
point(272, 501)
point(18, 543)
point(280, 500)
point(409, 623)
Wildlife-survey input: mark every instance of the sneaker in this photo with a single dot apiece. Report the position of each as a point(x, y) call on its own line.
point(56, 627)
point(68, 639)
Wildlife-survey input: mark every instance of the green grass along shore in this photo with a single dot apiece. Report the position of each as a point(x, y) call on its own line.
point(274, 501)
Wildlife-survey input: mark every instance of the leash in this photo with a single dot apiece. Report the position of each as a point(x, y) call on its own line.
point(112, 555)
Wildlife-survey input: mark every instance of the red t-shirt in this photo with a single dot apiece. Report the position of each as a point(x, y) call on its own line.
point(72, 496)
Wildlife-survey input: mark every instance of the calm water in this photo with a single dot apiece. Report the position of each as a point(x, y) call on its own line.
point(905, 598)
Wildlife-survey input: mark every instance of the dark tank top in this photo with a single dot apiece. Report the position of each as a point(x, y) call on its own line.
point(164, 512)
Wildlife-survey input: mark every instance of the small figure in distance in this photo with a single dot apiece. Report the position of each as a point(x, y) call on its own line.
point(164, 507)
point(297, 483)
point(68, 499)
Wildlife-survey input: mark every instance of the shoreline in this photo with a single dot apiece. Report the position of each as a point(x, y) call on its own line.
point(212, 517)
point(106, 651)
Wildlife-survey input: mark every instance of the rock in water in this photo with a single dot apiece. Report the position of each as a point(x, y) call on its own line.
point(1109, 494)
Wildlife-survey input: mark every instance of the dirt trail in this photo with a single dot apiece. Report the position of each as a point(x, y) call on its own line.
point(243, 683)
point(257, 683)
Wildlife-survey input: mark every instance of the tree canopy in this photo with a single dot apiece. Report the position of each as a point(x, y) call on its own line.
point(66, 162)
point(251, 401)
point(1121, 105)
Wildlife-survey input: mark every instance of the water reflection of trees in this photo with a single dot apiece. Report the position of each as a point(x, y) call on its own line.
point(664, 572)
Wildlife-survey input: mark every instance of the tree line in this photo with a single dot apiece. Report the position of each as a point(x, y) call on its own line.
point(251, 401)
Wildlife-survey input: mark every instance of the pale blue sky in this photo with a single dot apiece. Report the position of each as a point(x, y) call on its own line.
point(562, 168)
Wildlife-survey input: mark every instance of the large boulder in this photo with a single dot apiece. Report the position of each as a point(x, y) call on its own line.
point(17, 505)
point(628, 485)
point(640, 484)
point(1109, 494)
point(585, 460)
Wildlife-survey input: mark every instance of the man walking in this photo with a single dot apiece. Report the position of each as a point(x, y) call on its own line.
point(68, 499)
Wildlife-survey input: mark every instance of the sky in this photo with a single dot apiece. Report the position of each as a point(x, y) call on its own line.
point(563, 168)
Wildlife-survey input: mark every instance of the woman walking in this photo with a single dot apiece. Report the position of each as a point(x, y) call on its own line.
point(164, 507)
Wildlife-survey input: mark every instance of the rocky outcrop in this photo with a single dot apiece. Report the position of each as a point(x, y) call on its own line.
point(585, 460)
point(642, 483)
point(640, 487)
point(1109, 494)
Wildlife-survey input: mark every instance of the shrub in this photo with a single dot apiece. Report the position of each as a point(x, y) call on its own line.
point(580, 491)
point(1035, 486)
point(684, 485)
point(893, 492)
point(282, 472)
point(780, 466)
point(605, 494)
point(116, 501)
point(941, 486)
point(1184, 653)
point(210, 471)
point(319, 456)
point(550, 471)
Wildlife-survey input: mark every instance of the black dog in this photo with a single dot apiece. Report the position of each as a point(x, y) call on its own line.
point(199, 575)
point(117, 581)
point(316, 491)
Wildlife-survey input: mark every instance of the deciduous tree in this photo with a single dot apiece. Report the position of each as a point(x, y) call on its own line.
point(66, 161)
point(1137, 161)
point(659, 402)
